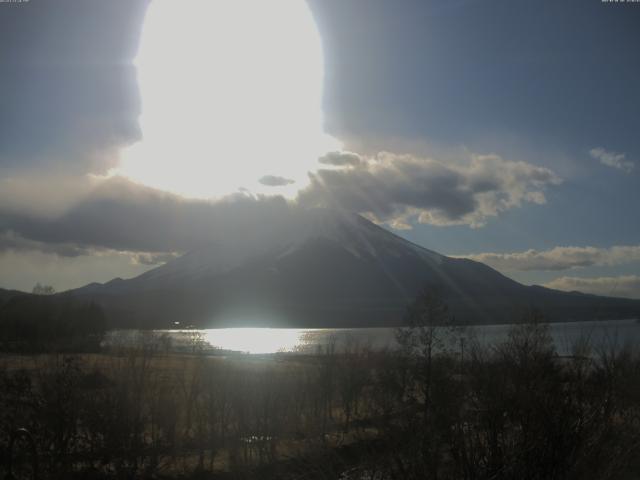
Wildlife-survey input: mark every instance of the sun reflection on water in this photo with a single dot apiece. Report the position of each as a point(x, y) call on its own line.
point(256, 340)
point(322, 340)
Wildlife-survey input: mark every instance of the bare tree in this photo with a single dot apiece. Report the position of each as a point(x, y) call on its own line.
point(40, 289)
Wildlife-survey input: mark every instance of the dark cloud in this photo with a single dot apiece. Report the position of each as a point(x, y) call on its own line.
point(122, 215)
point(395, 188)
point(432, 70)
point(275, 181)
point(69, 88)
point(11, 241)
point(341, 159)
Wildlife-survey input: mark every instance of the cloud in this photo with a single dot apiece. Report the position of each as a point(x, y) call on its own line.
point(396, 189)
point(560, 258)
point(25, 262)
point(152, 258)
point(12, 242)
point(622, 286)
point(118, 214)
point(23, 269)
point(43, 195)
point(74, 96)
point(341, 159)
point(612, 159)
point(275, 181)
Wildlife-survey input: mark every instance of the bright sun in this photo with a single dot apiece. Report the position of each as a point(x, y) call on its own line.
point(231, 91)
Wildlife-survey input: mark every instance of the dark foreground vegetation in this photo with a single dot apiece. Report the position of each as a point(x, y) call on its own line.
point(42, 323)
point(437, 408)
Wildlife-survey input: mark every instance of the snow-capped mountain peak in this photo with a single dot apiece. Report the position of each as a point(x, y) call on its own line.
point(351, 232)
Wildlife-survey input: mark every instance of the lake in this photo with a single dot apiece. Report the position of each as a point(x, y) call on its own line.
point(617, 333)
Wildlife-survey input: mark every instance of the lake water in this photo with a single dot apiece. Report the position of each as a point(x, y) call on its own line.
point(617, 333)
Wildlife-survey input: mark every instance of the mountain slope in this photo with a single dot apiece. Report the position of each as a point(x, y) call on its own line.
point(322, 268)
point(6, 295)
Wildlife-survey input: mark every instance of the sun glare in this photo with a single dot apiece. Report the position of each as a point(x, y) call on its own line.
point(255, 340)
point(231, 92)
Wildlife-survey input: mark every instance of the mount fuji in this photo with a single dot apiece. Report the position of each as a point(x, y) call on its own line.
point(325, 268)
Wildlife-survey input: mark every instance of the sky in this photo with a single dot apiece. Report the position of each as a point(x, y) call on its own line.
point(504, 131)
